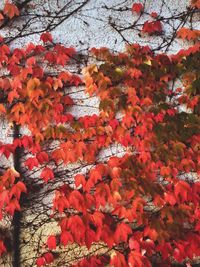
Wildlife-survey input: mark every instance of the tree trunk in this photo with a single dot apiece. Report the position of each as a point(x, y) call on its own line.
point(17, 214)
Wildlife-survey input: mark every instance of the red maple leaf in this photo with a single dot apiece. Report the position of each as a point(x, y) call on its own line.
point(46, 37)
point(42, 157)
point(122, 232)
point(17, 189)
point(1, 16)
point(65, 238)
point(41, 261)
point(49, 258)
point(10, 10)
point(47, 174)
point(152, 27)
point(79, 180)
point(51, 242)
point(138, 8)
point(118, 260)
point(31, 163)
point(182, 190)
point(154, 15)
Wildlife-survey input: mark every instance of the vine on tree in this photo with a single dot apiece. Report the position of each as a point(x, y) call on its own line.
point(143, 206)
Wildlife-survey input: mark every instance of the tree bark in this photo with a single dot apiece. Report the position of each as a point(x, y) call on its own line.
point(17, 214)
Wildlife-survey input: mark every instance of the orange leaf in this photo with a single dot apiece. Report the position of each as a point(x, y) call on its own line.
point(10, 10)
point(165, 171)
point(151, 233)
point(170, 198)
point(65, 76)
point(2, 109)
point(1, 17)
point(31, 61)
point(79, 180)
point(182, 190)
point(13, 206)
point(95, 176)
point(196, 3)
point(12, 95)
point(188, 34)
point(17, 189)
point(67, 100)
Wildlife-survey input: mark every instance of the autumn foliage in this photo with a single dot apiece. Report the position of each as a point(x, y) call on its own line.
point(143, 205)
point(10, 10)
